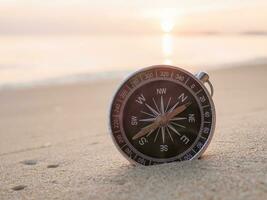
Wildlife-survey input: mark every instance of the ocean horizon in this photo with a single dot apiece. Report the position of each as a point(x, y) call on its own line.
point(50, 59)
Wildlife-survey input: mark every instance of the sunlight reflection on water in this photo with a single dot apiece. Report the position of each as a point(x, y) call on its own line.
point(34, 58)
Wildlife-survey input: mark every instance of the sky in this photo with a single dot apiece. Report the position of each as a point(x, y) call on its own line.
point(132, 16)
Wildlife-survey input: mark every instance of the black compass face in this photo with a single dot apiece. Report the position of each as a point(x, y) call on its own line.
point(161, 114)
point(154, 100)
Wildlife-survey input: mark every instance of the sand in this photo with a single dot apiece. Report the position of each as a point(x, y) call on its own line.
point(54, 144)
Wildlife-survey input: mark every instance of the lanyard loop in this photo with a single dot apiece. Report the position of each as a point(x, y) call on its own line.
point(204, 78)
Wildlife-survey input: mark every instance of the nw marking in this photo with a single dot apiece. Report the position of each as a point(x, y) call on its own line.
point(161, 90)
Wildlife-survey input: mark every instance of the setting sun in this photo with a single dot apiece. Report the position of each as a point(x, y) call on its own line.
point(167, 25)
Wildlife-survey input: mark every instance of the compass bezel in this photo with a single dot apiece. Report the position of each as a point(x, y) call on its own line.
point(210, 102)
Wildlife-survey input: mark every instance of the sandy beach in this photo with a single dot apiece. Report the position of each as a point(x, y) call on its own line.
point(54, 144)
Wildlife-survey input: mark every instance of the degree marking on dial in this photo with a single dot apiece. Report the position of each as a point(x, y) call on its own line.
point(205, 106)
point(203, 137)
point(123, 146)
point(118, 131)
point(198, 92)
point(207, 122)
point(186, 81)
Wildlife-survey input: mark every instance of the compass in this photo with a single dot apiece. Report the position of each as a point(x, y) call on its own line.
point(162, 114)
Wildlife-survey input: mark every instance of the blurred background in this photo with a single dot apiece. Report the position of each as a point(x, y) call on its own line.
point(42, 41)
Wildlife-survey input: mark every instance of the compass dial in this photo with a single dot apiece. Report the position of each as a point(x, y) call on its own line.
point(162, 114)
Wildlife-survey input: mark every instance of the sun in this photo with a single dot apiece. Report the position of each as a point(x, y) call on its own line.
point(167, 25)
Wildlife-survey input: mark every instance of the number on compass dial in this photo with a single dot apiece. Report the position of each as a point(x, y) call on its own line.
point(161, 119)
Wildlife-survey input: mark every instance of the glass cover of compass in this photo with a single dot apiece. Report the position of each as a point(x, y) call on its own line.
point(162, 114)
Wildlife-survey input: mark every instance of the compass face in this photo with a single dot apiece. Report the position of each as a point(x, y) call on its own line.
point(162, 114)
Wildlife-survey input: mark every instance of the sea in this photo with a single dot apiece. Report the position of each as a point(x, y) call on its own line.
point(27, 60)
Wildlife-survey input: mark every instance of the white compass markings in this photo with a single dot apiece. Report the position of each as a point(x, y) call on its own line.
point(147, 120)
point(168, 104)
point(178, 118)
point(163, 133)
point(156, 135)
point(162, 105)
point(151, 115)
point(167, 128)
point(152, 109)
point(156, 105)
point(179, 125)
point(173, 129)
point(174, 106)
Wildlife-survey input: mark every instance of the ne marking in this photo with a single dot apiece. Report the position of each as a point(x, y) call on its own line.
point(203, 137)
point(207, 122)
point(123, 146)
